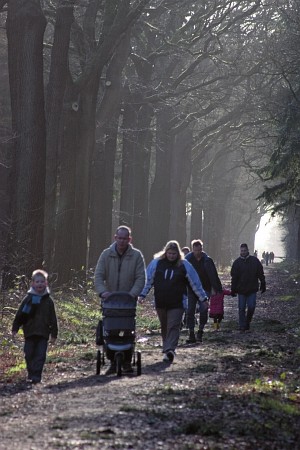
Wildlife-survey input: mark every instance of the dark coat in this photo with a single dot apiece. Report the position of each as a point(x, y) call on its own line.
point(206, 271)
point(41, 321)
point(246, 274)
point(170, 284)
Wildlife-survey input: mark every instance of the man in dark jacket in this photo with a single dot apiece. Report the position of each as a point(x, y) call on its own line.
point(211, 283)
point(247, 277)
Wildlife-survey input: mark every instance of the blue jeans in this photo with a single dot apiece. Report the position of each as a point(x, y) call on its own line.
point(247, 304)
point(35, 350)
point(191, 311)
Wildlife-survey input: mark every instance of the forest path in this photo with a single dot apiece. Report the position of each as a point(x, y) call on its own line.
point(233, 391)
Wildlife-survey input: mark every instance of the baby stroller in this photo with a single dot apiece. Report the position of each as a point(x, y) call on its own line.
point(116, 332)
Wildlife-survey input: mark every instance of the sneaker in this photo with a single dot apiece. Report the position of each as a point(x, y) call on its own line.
point(170, 355)
point(111, 370)
point(165, 358)
point(192, 338)
point(127, 367)
point(199, 336)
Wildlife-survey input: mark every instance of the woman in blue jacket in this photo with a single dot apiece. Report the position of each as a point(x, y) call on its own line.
point(170, 274)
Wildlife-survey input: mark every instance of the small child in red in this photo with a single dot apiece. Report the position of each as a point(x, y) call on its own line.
point(216, 307)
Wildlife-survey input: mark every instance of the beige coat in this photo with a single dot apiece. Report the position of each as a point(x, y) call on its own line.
point(115, 273)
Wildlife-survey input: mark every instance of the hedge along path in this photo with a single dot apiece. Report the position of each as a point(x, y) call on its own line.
point(233, 391)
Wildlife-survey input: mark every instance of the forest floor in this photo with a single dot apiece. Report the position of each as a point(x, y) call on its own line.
point(233, 391)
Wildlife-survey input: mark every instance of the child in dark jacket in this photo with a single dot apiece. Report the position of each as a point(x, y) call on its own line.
point(37, 316)
point(216, 307)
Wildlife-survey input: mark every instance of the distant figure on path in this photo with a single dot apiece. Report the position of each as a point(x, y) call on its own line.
point(246, 273)
point(267, 257)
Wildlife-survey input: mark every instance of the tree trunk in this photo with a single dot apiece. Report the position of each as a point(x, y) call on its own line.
point(180, 179)
point(54, 104)
point(129, 126)
point(83, 166)
point(102, 188)
point(62, 262)
point(103, 160)
point(159, 207)
point(72, 216)
point(25, 30)
point(196, 203)
point(141, 175)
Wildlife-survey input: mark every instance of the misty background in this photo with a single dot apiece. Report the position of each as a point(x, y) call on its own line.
point(179, 119)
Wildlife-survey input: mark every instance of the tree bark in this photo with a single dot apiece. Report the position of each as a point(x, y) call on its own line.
point(141, 175)
point(129, 142)
point(25, 30)
point(180, 179)
point(159, 205)
point(103, 160)
point(54, 104)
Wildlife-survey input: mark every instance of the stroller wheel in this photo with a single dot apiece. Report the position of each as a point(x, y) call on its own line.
point(118, 360)
point(98, 364)
point(138, 363)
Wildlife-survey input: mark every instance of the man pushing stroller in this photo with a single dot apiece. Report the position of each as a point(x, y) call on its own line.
point(120, 268)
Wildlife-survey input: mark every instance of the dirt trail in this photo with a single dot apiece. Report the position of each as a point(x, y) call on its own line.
point(214, 396)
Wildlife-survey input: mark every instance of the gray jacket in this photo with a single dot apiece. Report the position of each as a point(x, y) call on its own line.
point(126, 273)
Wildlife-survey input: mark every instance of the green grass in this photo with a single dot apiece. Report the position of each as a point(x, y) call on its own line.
point(286, 298)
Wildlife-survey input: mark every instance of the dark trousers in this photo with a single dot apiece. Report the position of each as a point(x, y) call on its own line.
point(192, 303)
point(35, 350)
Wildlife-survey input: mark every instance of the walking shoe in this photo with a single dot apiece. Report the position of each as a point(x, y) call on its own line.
point(127, 367)
point(165, 358)
point(192, 338)
point(199, 336)
point(111, 370)
point(170, 355)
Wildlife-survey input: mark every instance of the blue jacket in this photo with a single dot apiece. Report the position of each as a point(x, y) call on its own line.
point(170, 282)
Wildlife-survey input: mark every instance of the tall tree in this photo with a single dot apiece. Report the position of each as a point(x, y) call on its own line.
point(59, 71)
point(73, 208)
point(25, 30)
